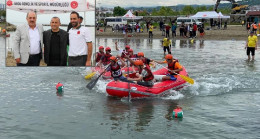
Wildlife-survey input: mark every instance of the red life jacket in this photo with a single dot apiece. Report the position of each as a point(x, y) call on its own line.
point(99, 55)
point(106, 59)
point(171, 66)
point(149, 76)
point(133, 57)
point(145, 61)
point(254, 26)
point(123, 53)
point(115, 70)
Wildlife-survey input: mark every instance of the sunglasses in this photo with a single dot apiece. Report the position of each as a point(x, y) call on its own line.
point(108, 50)
point(168, 60)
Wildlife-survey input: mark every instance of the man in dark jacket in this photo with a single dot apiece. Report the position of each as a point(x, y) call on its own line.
point(55, 42)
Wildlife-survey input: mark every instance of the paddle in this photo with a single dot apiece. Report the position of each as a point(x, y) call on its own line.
point(185, 78)
point(129, 92)
point(93, 82)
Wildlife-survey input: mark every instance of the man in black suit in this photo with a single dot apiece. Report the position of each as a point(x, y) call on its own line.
point(55, 42)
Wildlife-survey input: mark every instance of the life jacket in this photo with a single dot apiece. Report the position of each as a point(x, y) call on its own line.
point(123, 54)
point(149, 76)
point(171, 66)
point(248, 25)
point(254, 26)
point(116, 70)
point(106, 59)
point(145, 61)
point(133, 57)
point(99, 55)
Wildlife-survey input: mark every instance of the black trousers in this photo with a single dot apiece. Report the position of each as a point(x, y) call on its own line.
point(34, 60)
point(77, 60)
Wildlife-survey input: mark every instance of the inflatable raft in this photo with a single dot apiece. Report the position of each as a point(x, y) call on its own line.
point(121, 89)
point(107, 75)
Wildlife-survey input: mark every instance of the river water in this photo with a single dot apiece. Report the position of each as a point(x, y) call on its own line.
point(223, 102)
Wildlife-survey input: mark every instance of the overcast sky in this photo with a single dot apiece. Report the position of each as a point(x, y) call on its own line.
point(2, 1)
point(145, 3)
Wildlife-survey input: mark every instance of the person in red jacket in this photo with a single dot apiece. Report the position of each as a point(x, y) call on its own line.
point(105, 59)
point(146, 61)
point(194, 30)
point(144, 76)
point(115, 69)
point(100, 54)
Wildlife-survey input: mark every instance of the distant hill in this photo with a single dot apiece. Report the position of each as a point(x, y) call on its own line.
point(180, 7)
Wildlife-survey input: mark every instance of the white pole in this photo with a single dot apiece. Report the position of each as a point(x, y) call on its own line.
point(84, 19)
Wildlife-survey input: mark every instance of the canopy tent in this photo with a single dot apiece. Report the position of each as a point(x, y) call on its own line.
point(209, 14)
point(222, 16)
point(51, 6)
point(129, 15)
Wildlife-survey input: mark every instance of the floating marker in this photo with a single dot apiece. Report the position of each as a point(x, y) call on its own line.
point(59, 87)
point(177, 113)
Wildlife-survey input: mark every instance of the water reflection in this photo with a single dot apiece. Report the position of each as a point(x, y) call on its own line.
point(140, 113)
point(59, 93)
point(251, 65)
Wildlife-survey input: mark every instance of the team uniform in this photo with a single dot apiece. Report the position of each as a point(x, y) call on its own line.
point(252, 41)
point(148, 77)
point(166, 45)
point(99, 56)
point(173, 66)
point(116, 72)
point(105, 59)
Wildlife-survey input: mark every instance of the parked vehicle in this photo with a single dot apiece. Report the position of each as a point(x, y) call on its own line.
point(187, 20)
point(115, 20)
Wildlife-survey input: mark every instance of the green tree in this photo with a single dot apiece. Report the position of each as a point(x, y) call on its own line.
point(187, 10)
point(143, 13)
point(119, 11)
point(210, 8)
point(201, 8)
point(225, 10)
point(154, 12)
point(3, 13)
point(164, 11)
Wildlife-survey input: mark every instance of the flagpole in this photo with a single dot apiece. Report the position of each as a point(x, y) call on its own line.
point(84, 18)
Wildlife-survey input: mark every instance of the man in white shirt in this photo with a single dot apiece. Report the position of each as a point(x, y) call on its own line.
point(28, 42)
point(80, 43)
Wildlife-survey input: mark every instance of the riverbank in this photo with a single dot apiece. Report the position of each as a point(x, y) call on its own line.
point(10, 61)
point(233, 32)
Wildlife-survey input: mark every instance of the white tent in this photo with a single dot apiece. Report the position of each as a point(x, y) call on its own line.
point(129, 15)
point(222, 16)
point(51, 6)
point(206, 15)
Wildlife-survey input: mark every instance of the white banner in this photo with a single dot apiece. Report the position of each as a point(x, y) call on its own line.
point(50, 6)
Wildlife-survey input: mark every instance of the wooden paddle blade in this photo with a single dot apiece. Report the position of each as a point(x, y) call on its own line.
point(92, 83)
point(187, 79)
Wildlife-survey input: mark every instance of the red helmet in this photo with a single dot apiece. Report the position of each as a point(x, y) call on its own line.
point(168, 56)
point(139, 63)
point(108, 49)
point(130, 50)
point(140, 54)
point(113, 58)
point(127, 47)
point(101, 47)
